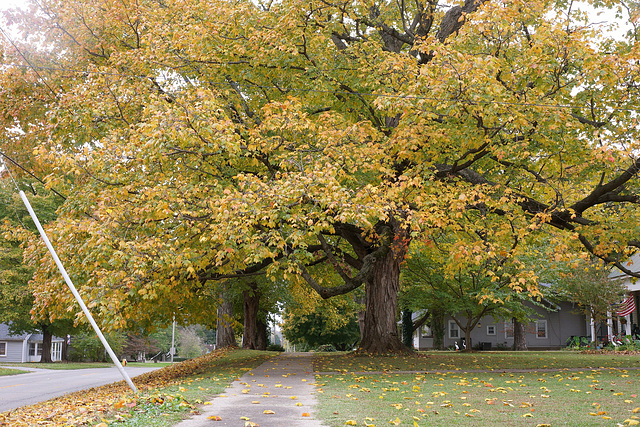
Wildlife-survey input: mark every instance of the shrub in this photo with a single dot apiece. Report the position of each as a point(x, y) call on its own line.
point(275, 347)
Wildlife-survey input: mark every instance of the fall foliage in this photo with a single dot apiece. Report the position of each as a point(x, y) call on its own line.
point(198, 141)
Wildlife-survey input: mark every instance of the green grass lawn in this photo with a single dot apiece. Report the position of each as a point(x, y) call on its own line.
point(61, 365)
point(149, 364)
point(580, 390)
point(486, 360)
point(570, 398)
point(6, 371)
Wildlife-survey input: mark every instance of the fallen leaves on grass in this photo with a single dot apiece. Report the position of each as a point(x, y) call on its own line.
point(113, 401)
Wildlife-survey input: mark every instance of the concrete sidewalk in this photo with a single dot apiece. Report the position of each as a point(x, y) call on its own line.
point(284, 385)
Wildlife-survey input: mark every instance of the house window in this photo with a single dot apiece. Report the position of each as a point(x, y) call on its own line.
point(454, 329)
point(508, 330)
point(426, 332)
point(3, 348)
point(541, 329)
point(491, 329)
point(35, 349)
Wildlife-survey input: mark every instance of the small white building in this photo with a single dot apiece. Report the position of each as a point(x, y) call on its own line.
point(25, 347)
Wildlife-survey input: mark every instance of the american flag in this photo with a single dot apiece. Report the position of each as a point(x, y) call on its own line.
point(627, 306)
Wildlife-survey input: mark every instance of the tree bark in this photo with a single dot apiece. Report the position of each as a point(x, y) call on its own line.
point(361, 317)
point(519, 336)
point(224, 331)
point(380, 334)
point(407, 328)
point(251, 304)
point(467, 338)
point(437, 328)
point(46, 345)
point(261, 339)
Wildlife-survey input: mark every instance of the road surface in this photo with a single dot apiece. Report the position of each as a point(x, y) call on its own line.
point(38, 385)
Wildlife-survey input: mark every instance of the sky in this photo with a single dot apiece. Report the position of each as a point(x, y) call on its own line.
point(6, 4)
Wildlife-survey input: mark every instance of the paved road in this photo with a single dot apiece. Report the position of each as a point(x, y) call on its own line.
point(39, 385)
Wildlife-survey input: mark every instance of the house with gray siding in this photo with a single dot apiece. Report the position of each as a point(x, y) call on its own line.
point(548, 330)
point(25, 347)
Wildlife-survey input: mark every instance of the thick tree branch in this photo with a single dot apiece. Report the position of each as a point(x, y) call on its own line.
point(455, 18)
point(602, 191)
point(364, 274)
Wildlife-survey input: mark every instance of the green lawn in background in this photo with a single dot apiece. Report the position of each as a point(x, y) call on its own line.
point(60, 365)
point(149, 364)
point(486, 360)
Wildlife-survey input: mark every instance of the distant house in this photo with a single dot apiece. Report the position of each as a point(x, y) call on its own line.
point(25, 347)
point(550, 329)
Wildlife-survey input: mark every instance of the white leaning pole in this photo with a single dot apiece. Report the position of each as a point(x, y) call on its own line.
point(76, 294)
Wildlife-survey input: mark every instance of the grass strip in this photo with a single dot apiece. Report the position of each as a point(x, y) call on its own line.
point(456, 361)
point(7, 371)
point(61, 365)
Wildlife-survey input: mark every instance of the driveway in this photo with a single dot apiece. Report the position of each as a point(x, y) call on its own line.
point(38, 385)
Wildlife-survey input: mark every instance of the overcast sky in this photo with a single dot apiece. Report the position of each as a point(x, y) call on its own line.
point(600, 18)
point(6, 4)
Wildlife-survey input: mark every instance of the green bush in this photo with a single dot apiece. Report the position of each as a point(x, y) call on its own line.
point(275, 347)
point(326, 348)
point(87, 347)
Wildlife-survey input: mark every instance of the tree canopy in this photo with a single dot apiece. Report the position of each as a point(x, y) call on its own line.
point(198, 140)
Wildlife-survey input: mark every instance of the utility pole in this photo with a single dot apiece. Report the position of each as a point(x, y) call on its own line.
point(173, 339)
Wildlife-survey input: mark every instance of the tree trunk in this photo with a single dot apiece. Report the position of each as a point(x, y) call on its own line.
point(361, 317)
point(224, 331)
point(467, 338)
point(261, 339)
point(46, 345)
point(437, 328)
point(519, 336)
point(251, 304)
point(407, 328)
point(380, 333)
point(65, 349)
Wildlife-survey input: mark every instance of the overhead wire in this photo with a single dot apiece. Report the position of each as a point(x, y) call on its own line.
point(15, 183)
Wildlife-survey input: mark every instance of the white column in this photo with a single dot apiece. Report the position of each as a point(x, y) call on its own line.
point(627, 327)
point(619, 327)
point(609, 326)
point(592, 324)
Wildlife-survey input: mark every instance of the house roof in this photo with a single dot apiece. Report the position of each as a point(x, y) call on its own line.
point(6, 336)
point(633, 264)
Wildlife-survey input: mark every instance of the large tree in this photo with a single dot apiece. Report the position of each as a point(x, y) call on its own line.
point(203, 140)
